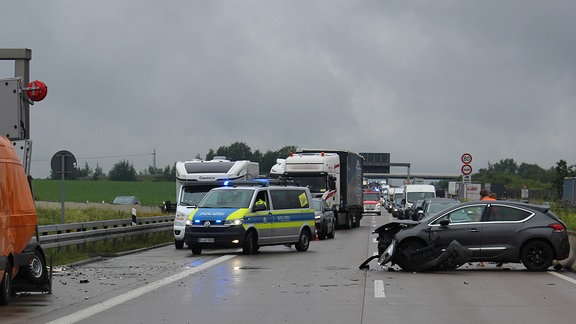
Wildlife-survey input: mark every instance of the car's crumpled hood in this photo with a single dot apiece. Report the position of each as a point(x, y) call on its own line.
point(394, 227)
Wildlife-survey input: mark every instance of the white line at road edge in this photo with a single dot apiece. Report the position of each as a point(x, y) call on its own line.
point(112, 302)
point(561, 276)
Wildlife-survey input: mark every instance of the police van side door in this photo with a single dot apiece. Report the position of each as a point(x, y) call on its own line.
point(262, 218)
point(286, 211)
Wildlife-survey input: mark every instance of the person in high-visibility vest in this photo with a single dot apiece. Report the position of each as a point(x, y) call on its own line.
point(261, 202)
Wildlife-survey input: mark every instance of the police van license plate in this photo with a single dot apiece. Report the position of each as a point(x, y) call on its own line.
point(206, 240)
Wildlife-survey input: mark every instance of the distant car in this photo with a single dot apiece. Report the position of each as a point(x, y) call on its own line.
point(126, 200)
point(433, 206)
point(398, 209)
point(487, 231)
point(372, 201)
point(324, 219)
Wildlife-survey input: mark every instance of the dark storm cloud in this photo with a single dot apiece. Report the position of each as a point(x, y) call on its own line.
point(423, 80)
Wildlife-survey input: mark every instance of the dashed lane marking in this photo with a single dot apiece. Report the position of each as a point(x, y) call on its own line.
point(379, 289)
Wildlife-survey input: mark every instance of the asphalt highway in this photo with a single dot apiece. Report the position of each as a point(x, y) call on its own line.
point(281, 285)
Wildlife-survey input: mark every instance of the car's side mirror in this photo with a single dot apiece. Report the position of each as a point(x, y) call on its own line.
point(444, 222)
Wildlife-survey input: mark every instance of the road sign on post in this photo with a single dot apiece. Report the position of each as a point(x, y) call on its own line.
point(63, 163)
point(466, 169)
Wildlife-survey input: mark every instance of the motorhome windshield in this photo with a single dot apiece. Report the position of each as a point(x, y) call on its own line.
point(191, 195)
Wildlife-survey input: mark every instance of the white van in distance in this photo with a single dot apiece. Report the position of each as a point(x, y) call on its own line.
point(414, 192)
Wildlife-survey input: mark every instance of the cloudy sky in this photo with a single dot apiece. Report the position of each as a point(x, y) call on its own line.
point(425, 81)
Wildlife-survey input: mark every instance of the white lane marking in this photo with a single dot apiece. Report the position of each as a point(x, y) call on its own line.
point(561, 276)
point(379, 289)
point(112, 302)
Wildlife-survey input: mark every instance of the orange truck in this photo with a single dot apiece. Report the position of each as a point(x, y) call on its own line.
point(22, 259)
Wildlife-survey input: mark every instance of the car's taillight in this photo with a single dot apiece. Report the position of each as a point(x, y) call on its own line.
point(557, 227)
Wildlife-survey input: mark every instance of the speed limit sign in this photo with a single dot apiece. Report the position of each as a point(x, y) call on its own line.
point(466, 158)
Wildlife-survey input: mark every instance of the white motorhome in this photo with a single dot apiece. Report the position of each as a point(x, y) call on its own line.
point(195, 178)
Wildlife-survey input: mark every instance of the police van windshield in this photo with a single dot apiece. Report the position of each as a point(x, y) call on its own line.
point(231, 198)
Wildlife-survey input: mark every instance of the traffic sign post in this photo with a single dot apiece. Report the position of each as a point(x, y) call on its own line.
point(63, 162)
point(466, 170)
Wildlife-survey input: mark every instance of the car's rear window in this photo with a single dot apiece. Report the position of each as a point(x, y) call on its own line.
point(506, 213)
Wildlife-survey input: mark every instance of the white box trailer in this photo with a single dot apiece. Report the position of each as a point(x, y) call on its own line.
point(334, 175)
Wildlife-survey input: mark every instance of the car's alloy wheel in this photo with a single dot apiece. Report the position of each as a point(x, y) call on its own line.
point(537, 255)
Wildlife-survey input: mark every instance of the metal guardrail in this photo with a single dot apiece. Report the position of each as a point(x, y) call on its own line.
point(59, 235)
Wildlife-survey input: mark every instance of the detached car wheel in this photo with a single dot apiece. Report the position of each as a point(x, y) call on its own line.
point(537, 256)
point(405, 255)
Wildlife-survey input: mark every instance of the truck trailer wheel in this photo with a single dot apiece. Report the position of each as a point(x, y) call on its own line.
point(6, 285)
point(348, 224)
point(36, 272)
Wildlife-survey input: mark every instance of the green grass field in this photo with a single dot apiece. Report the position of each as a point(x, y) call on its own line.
point(150, 193)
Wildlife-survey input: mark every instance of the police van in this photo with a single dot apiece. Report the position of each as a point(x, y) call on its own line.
point(249, 217)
